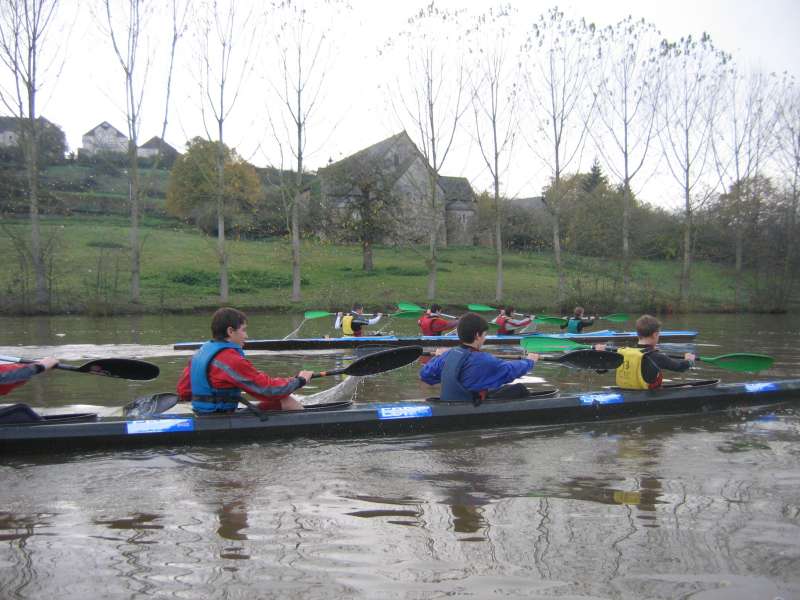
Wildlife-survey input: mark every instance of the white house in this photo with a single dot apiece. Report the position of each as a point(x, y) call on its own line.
point(104, 138)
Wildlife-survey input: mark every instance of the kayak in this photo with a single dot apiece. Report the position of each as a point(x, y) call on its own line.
point(343, 419)
point(606, 335)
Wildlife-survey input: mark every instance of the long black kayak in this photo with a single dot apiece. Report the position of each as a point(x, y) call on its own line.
point(543, 407)
point(594, 337)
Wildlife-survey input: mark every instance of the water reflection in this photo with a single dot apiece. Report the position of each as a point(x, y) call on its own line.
point(394, 516)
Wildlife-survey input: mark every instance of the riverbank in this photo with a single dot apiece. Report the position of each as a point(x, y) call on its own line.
point(89, 267)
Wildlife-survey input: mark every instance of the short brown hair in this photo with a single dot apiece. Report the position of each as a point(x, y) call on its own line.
point(647, 325)
point(578, 311)
point(226, 317)
point(470, 326)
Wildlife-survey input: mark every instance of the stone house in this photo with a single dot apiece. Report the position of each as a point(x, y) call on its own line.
point(401, 167)
point(151, 148)
point(10, 128)
point(104, 138)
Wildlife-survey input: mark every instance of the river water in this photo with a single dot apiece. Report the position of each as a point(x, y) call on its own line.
point(699, 507)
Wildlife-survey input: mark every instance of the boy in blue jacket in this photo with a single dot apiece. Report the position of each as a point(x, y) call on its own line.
point(469, 375)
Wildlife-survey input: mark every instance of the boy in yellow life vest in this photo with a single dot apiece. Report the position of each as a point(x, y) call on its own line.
point(642, 365)
point(353, 322)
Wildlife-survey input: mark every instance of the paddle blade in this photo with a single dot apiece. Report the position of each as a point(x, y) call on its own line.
point(385, 360)
point(617, 318)
point(741, 363)
point(550, 320)
point(480, 308)
point(147, 406)
point(589, 359)
point(537, 343)
point(407, 314)
point(409, 306)
point(316, 314)
point(123, 368)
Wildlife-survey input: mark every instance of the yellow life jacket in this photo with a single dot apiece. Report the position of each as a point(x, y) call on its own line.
point(347, 325)
point(629, 373)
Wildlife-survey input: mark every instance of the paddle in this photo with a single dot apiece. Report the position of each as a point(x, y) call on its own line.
point(122, 368)
point(377, 362)
point(616, 318)
point(407, 314)
point(551, 344)
point(402, 314)
point(371, 364)
point(578, 359)
point(409, 306)
point(550, 320)
point(481, 308)
point(485, 308)
point(738, 362)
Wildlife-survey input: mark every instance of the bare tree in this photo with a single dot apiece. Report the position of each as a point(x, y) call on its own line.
point(557, 56)
point(226, 39)
point(303, 45)
point(693, 71)
point(493, 85)
point(126, 29)
point(739, 143)
point(788, 157)
point(627, 88)
point(429, 98)
point(24, 25)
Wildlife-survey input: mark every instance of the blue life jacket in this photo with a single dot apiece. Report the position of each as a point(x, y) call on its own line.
point(206, 399)
point(452, 389)
point(574, 325)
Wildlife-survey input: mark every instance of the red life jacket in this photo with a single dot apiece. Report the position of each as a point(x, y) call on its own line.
point(501, 324)
point(426, 324)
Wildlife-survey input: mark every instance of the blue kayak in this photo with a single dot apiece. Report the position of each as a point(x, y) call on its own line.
point(622, 338)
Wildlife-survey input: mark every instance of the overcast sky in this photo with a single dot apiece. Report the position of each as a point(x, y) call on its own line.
point(89, 89)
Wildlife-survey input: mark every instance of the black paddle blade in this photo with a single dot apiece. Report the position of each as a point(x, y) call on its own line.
point(384, 360)
point(590, 359)
point(147, 406)
point(123, 368)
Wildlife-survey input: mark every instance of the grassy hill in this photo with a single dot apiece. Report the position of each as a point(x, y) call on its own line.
point(90, 272)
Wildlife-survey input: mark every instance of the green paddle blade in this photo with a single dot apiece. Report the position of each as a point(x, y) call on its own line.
point(406, 306)
point(550, 320)
point(617, 318)
point(550, 344)
point(741, 363)
point(480, 308)
point(317, 314)
point(407, 314)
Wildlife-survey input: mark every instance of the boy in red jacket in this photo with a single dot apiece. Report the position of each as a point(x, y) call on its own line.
point(218, 372)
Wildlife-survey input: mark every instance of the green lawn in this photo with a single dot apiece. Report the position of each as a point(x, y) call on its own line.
point(91, 272)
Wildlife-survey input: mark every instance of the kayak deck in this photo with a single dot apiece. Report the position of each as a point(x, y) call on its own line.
point(605, 335)
point(399, 417)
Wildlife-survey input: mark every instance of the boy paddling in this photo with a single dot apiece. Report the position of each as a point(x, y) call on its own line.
point(434, 323)
point(218, 372)
point(469, 375)
point(577, 321)
point(641, 369)
point(353, 323)
point(508, 325)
